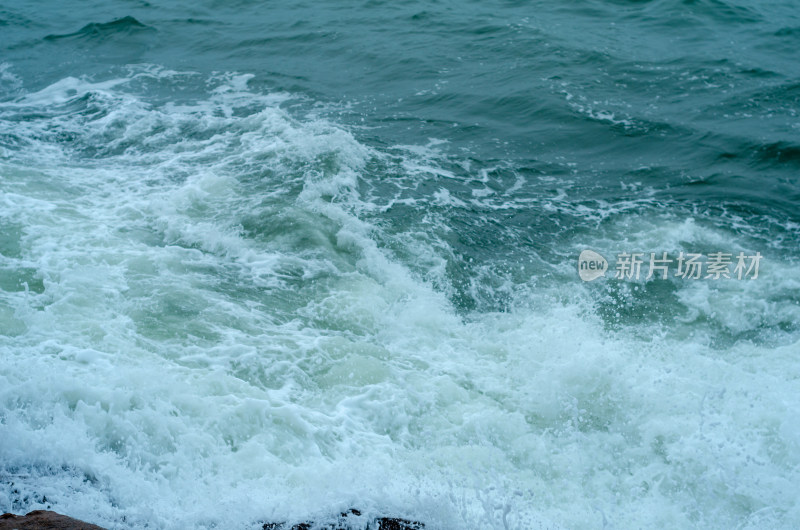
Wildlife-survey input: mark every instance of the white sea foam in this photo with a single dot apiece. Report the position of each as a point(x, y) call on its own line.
point(219, 334)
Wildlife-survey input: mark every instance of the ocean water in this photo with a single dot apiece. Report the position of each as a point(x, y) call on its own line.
point(266, 261)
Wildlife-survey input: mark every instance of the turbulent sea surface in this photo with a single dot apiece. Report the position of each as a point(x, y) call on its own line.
point(265, 261)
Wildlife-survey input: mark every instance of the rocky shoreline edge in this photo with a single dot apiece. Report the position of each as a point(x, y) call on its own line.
point(47, 520)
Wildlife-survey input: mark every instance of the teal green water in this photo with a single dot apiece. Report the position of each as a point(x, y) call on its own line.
point(266, 263)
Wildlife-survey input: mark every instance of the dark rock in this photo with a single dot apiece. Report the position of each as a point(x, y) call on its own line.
point(390, 523)
point(46, 520)
point(43, 520)
point(381, 523)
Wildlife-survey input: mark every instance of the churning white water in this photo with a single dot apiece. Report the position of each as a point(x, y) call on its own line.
point(206, 319)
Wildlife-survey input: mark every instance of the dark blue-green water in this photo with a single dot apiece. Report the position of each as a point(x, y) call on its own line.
point(266, 262)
